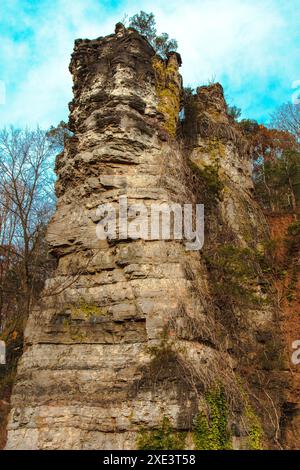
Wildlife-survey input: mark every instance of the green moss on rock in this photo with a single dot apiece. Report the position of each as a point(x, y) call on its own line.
point(162, 438)
point(168, 93)
point(87, 310)
point(209, 177)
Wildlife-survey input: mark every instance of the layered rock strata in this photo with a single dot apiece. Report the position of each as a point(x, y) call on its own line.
point(129, 332)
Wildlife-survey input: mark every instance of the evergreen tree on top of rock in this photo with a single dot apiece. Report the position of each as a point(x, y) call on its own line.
point(145, 24)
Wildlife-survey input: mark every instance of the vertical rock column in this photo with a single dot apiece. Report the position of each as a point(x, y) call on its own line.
point(236, 248)
point(124, 334)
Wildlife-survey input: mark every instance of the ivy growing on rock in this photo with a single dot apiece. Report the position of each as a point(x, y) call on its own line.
point(211, 428)
point(162, 438)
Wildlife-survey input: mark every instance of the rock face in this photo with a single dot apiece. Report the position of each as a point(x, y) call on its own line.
point(131, 334)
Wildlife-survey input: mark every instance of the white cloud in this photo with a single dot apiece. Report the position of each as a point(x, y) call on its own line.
point(251, 46)
point(248, 45)
point(37, 79)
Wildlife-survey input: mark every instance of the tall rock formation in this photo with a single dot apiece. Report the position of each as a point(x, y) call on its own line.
point(133, 335)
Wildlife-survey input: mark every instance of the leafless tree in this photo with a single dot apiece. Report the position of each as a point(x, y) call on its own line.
point(26, 203)
point(287, 118)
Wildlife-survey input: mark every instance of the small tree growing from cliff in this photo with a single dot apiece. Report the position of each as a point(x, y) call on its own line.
point(234, 112)
point(57, 136)
point(145, 24)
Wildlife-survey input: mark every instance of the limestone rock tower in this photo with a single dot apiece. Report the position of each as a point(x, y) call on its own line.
point(127, 336)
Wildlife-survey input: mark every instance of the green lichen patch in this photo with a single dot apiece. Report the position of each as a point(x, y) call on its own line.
point(216, 150)
point(209, 180)
point(168, 93)
point(87, 310)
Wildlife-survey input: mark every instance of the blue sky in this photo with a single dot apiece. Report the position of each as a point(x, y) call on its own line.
point(251, 47)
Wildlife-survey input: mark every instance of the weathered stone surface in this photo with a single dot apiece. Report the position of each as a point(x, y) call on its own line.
point(235, 221)
point(129, 332)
